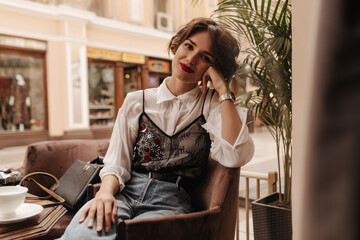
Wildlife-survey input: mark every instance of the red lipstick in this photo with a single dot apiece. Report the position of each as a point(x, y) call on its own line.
point(186, 68)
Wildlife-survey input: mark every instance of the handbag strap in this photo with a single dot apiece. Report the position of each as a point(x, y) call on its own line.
point(28, 177)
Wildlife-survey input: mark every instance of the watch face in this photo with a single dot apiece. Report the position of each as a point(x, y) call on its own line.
point(227, 96)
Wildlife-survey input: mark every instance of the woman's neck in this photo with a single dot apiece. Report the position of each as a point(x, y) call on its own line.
point(177, 87)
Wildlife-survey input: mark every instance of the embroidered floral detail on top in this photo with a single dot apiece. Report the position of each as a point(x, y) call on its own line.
point(148, 146)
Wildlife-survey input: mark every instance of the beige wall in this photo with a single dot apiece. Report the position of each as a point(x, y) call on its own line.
point(127, 42)
point(28, 23)
point(123, 10)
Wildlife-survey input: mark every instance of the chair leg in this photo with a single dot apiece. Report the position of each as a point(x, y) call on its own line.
point(237, 223)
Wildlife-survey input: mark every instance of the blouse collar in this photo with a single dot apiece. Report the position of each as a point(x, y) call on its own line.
point(164, 94)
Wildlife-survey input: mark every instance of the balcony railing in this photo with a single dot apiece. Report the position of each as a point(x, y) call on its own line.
point(271, 179)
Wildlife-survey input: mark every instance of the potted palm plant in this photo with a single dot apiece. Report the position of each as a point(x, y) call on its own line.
point(266, 27)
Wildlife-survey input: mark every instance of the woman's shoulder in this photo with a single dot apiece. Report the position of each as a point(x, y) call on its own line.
point(137, 96)
point(134, 95)
point(132, 102)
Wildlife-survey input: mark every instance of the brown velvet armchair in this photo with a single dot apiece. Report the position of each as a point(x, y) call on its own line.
point(215, 197)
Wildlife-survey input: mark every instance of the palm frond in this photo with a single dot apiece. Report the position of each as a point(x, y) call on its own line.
point(266, 26)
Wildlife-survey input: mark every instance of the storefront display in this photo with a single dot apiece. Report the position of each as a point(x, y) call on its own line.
point(21, 86)
point(131, 79)
point(159, 66)
point(101, 94)
point(159, 69)
point(112, 75)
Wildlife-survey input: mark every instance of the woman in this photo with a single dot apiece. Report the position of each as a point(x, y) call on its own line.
point(163, 136)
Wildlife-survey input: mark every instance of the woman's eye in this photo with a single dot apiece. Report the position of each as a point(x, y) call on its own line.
point(206, 59)
point(189, 46)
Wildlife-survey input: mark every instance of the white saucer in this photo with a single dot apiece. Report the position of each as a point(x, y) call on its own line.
point(25, 211)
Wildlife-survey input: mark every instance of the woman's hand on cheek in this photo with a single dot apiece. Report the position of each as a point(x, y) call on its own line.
point(217, 79)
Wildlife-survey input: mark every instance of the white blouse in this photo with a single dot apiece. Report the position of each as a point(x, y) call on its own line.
point(172, 114)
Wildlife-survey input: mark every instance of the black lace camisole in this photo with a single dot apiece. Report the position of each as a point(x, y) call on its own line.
point(185, 153)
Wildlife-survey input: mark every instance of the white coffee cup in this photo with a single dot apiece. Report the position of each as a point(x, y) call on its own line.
point(11, 197)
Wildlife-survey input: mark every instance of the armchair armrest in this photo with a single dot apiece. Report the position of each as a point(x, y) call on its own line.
point(198, 225)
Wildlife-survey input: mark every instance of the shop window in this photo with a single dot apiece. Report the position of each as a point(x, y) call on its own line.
point(131, 79)
point(101, 94)
point(22, 92)
point(159, 69)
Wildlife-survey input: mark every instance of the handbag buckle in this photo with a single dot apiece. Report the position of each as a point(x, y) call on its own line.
point(86, 167)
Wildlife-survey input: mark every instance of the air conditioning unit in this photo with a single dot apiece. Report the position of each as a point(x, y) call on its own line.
point(164, 22)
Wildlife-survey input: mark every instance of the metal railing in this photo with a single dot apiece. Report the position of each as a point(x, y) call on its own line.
point(271, 179)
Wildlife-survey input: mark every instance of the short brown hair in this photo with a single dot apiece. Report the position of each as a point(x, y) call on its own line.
point(225, 46)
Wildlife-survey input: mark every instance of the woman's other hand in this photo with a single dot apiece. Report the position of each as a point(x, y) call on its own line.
point(103, 206)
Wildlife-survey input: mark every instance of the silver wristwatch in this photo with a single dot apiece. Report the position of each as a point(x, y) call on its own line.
point(227, 96)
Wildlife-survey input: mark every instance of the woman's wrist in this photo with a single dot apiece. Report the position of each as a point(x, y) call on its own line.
point(109, 184)
point(222, 91)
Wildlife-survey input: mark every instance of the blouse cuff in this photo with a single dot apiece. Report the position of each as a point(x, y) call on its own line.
point(214, 127)
point(121, 181)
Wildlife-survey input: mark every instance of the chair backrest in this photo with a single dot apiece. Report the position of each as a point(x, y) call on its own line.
point(56, 156)
point(219, 188)
point(211, 189)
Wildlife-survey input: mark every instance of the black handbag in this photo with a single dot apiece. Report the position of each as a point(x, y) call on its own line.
point(75, 181)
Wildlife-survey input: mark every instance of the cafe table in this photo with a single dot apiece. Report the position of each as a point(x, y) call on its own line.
point(35, 226)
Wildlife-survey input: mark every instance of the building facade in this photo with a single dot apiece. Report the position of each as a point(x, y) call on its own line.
point(67, 65)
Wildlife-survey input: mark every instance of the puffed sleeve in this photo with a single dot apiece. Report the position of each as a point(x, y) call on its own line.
point(118, 157)
point(222, 151)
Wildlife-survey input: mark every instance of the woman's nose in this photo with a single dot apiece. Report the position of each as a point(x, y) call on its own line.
point(192, 58)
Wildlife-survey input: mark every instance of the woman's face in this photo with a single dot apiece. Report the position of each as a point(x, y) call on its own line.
point(193, 57)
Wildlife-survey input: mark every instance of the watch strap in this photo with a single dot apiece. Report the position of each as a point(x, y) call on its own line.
point(227, 96)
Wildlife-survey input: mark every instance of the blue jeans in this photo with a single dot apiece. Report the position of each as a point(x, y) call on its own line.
point(141, 198)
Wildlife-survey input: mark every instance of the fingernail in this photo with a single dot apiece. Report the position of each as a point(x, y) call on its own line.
point(98, 228)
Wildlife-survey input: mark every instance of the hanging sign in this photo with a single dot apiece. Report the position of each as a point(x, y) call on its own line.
point(133, 58)
point(160, 66)
point(22, 42)
point(104, 54)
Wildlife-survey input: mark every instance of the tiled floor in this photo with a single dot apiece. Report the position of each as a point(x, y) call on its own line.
point(264, 160)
